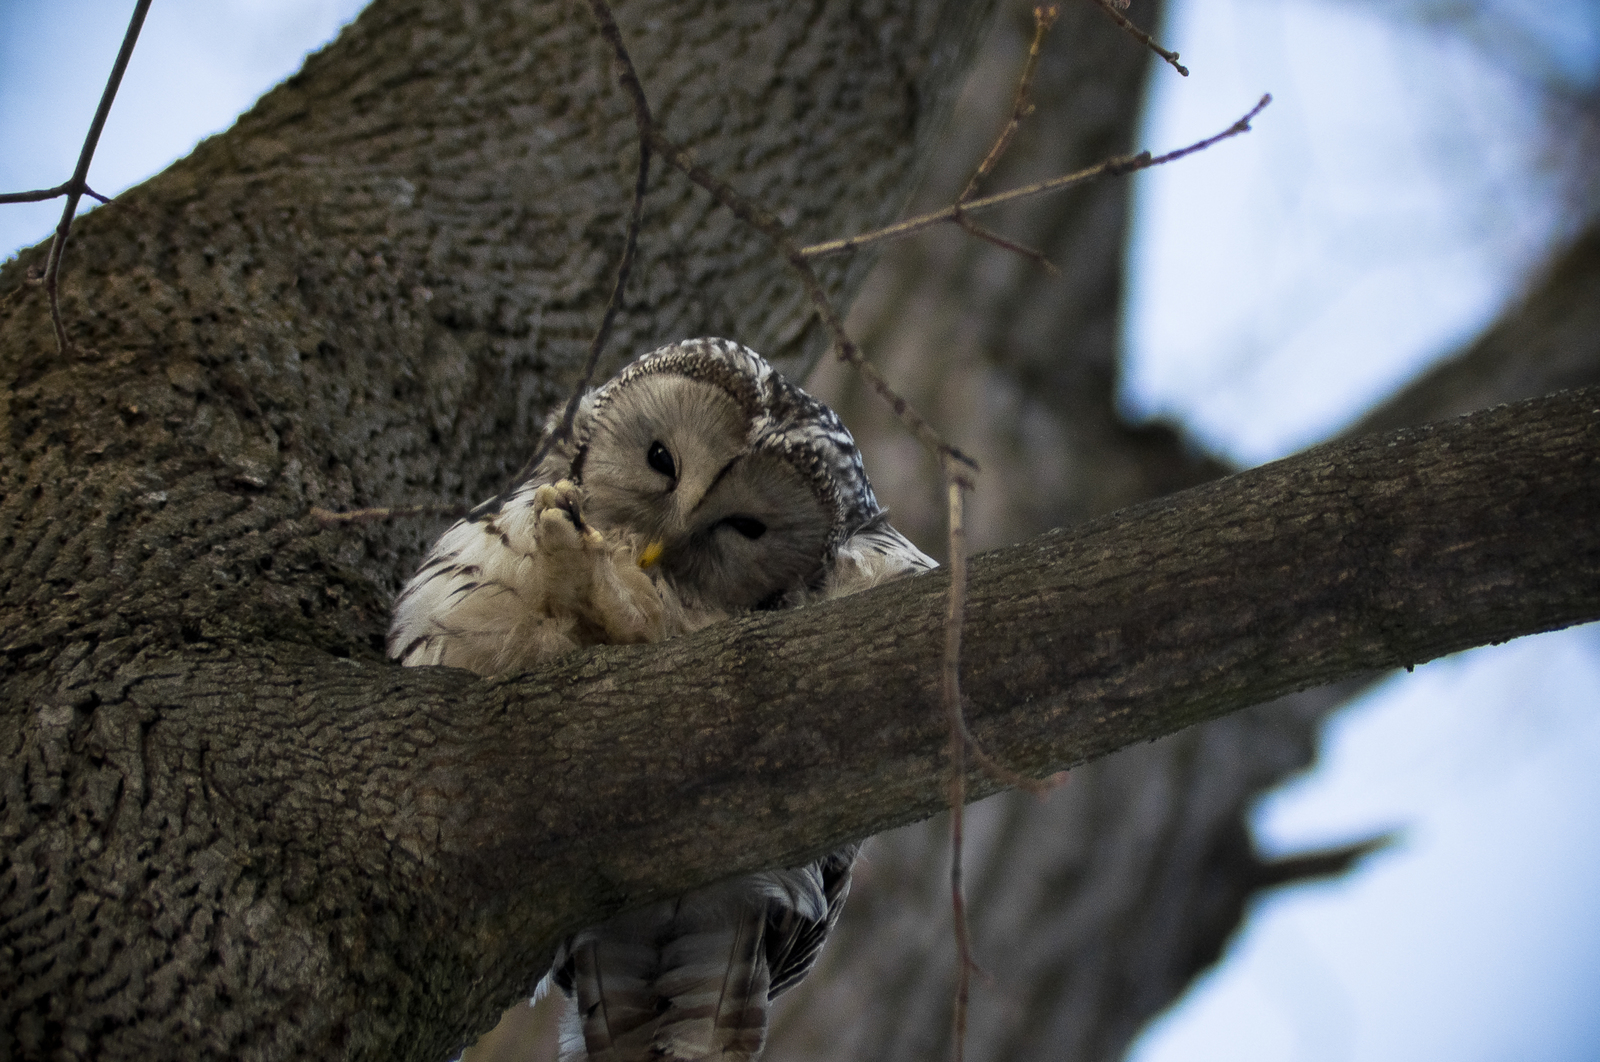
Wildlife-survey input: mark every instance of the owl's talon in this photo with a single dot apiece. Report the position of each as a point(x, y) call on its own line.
point(558, 510)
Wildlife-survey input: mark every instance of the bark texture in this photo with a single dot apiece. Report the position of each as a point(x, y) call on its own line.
point(368, 292)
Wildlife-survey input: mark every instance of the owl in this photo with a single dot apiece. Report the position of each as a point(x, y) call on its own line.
point(697, 484)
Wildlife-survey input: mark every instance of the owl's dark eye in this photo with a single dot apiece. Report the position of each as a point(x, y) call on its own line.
point(661, 460)
point(748, 526)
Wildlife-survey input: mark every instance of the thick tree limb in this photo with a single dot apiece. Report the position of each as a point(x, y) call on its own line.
point(1386, 552)
point(491, 815)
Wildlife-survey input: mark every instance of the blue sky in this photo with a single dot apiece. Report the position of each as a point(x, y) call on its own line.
point(1387, 206)
point(1384, 209)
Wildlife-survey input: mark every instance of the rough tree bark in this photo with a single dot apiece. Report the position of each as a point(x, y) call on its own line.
point(368, 292)
point(227, 829)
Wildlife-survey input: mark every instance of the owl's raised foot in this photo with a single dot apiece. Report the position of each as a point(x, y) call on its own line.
point(587, 575)
point(558, 517)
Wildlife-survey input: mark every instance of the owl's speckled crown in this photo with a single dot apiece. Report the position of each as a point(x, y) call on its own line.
point(783, 419)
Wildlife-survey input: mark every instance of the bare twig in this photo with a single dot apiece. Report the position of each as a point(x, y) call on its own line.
point(961, 743)
point(1021, 107)
point(1241, 126)
point(41, 194)
point(844, 347)
point(955, 617)
point(329, 518)
point(79, 184)
point(629, 79)
point(1112, 167)
point(1140, 35)
point(972, 228)
point(951, 688)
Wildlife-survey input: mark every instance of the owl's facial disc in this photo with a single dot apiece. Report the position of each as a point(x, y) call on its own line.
point(669, 460)
point(760, 531)
point(654, 451)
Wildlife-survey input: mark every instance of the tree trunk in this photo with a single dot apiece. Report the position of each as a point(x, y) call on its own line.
point(368, 292)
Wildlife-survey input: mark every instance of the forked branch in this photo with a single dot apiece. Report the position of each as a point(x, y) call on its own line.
point(1113, 167)
point(78, 185)
point(1110, 8)
point(1021, 107)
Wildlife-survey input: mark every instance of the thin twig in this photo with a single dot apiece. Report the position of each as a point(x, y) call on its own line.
point(951, 689)
point(79, 184)
point(629, 79)
point(972, 228)
point(27, 283)
point(844, 346)
point(329, 518)
point(1241, 126)
point(1021, 107)
point(960, 742)
point(1140, 35)
point(41, 194)
point(1112, 167)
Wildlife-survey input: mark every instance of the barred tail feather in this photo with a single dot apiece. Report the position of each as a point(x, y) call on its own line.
point(612, 976)
point(716, 979)
point(688, 979)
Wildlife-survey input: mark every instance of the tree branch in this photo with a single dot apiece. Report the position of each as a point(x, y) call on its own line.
point(775, 738)
point(1388, 551)
point(499, 814)
point(79, 184)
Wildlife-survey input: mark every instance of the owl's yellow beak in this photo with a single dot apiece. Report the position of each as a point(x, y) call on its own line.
point(650, 554)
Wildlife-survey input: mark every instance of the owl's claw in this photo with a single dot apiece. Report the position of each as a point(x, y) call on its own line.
point(558, 508)
point(584, 576)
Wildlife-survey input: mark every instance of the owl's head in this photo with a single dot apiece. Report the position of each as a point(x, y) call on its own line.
point(743, 484)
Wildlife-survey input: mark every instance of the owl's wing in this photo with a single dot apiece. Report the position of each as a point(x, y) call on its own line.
point(874, 554)
point(523, 582)
point(468, 605)
point(793, 940)
point(434, 615)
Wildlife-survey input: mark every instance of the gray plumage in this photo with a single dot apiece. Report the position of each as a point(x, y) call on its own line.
point(696, 484)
